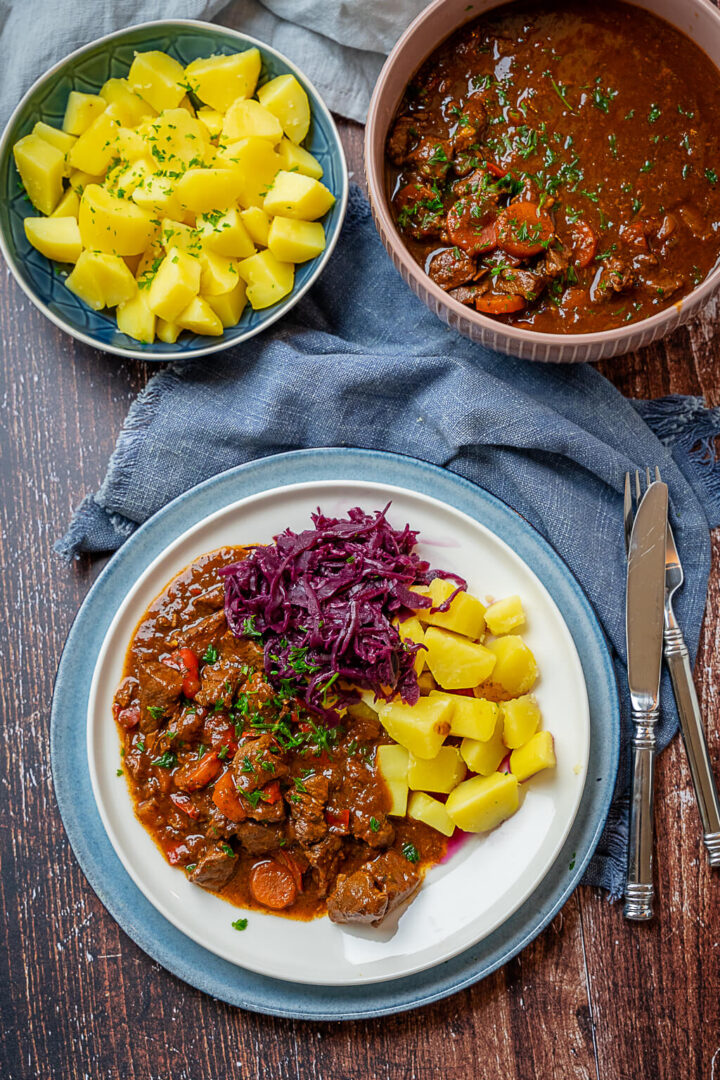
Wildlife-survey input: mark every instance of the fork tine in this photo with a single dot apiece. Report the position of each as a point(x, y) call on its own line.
point(657, 474)
point(627, 511)
point(638, 489)
point(648, 479)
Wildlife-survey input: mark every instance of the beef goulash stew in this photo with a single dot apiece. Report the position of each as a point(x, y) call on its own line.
point(558, 165)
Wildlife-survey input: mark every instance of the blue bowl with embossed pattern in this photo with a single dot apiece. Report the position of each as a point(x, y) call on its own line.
point(86, 70)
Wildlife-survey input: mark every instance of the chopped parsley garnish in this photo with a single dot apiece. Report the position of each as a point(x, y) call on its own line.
point(239, 924)
point(711, 175)
point(374, 824)
point(156, 711)
point(654, 114)
point(410, 852)
point(227, 850)
point(210, 655)
point(248, 628)
point(168, 760)
point(118, 772)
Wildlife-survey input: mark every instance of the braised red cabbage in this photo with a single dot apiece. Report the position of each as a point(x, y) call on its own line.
point(323, 601)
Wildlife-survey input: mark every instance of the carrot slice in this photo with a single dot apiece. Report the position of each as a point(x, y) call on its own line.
point(272, 885)
point(293, 866)
point(226, 798)
point(469, 228)
point(585, 244)
point(499, 304)
point(524, 229)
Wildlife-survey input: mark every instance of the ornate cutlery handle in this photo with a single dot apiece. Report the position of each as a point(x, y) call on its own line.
point(639, 889)
point(678, 662)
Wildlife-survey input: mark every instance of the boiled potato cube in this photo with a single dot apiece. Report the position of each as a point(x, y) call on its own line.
point(113, 225)
point(101, 280)
point(220, 80)
point(392, 761)
point(56, 238)
point(199, 317)
point(505, 615)
point(157, 78)
point(212, 119)
point(295, 158)
point(229, 306)
point(441, 773)
point(537, 753)
point(79, 180)
point(129, 107)
point(69, 205)
point(515, 670)
point(254, 166)
point(285, 97)
point(175, 284)
point(420, 728)
point(432, 812)
point(176, 136)
point(129, 144)
point(157, 195)
point(466, 615)
point(150, 262)
point(481, 803)
point(219, 274)
point(456, 662)
point(135, 319)
point(472, 718)
point(57, 138)
point(484, 757)
point(267, 279)
point(177, 234)
point(41, 167)
point(81, 110)
point(247, 117)
point(295, 241)
point(226, 234)
point(411, 630)
point(167, 331)
point(257, 224)
point(95, 148)
point(521, 719)
point(201, 190)
point(123, 179)
point(392, 764)
point(297, 196)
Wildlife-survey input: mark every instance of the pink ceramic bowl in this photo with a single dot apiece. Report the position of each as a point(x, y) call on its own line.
point(698, 19)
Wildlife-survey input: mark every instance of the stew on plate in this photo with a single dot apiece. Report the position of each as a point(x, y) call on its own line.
point(255, 797)
point(557, 166)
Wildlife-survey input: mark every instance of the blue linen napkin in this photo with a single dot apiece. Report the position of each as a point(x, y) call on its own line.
point(360, 361)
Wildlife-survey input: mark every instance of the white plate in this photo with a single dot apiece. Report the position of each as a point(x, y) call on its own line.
point(484, 881)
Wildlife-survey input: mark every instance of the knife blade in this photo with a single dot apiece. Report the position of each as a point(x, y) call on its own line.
point(644, 610)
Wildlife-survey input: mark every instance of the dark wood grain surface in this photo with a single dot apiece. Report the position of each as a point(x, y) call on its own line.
point(592, 997)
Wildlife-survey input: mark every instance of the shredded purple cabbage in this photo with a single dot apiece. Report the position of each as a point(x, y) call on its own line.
point(323, 602)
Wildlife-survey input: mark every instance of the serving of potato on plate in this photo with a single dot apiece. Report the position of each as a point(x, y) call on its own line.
point(461, 752)
point(178, 195)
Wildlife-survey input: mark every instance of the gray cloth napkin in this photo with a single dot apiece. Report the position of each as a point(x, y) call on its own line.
point(360, 361)
point(340, 46)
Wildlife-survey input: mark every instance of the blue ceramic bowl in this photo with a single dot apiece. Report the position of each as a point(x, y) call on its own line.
point(86, 70)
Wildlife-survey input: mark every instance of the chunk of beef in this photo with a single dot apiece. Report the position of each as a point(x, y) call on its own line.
point(664, 284)
point(189, 723)
point(468, 294)
point(472, 120)
point(615, 276)
point(268, 811)
point(259, 839)
point(527, 283)
point(214, 869)
point(160, 687)
point(374, 829)
point(403, 138)
point(256, 763)
point(307, 809)
point(432, 157)
point(420, 211)
point(125, 693)
point(203, 633)
point(373, 891)
point(451, 268)
point(357, 899)
point(209, 601)
point(556, 262)
point(220, 681)
point(323, 858)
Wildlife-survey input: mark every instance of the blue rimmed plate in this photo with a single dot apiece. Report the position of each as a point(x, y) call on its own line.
point(86, 70)
point(219, 975)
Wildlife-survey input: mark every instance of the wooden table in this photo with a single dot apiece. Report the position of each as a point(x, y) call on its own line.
point(593, 996)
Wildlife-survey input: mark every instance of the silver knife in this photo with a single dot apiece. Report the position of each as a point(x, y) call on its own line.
point(644, 633)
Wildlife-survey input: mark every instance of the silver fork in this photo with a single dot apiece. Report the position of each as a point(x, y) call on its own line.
point(677, 659)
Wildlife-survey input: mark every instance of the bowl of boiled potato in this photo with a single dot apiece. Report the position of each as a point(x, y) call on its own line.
point(170, 190)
